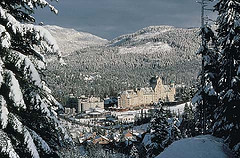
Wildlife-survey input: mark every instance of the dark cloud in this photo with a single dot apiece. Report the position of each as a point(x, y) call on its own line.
point(111, 18)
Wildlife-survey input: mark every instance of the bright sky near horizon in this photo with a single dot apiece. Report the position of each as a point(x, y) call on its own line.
point(111, 18)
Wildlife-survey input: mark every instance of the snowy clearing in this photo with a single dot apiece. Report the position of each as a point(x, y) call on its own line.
point(179, 109)
point(205, 146)
point(147, 48)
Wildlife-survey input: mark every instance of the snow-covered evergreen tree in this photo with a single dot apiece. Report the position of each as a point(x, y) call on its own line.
point(187, 126)
point(134, 152)
point(227, 113)
point(164, 130)
point(206, 97)
point(187, 93)
point(159, 133)
point(173, 129)
point(28, 118)
point(188, 112)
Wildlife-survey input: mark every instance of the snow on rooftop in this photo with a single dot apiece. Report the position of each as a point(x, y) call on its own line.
point(205, 146)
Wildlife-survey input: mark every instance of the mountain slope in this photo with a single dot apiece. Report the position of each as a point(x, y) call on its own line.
point(147, 33)
point(128, 61)
point(70, 40)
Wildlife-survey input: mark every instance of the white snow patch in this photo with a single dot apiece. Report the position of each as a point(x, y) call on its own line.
point(1, 77)
point(148, 48)
point(30, 144)
point(209, 89)
point(15, 93)
point(4, 37)
point(45, 88)
point(3, 112)
point(29, 69)
point(6, 145)
point(177, 108)
point(205, 146)
point(41, 104)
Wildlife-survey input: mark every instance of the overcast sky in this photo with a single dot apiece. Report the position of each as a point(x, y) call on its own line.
point(111, 18)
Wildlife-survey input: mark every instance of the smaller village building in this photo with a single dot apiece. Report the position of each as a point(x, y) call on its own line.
point(87, 103)
point(83, 104)
point(102, 140)
point(126, 118)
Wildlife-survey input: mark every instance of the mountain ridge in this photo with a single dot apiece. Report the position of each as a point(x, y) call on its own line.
point(70, 40)
point(128, 61)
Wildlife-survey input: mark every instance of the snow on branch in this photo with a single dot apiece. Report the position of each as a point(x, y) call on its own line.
point(208, 89)
point(15, 123)
point(32, 3)
point(40, 142)
point(1, 70)
point(39, 103)
point(48, 43)
point(63, 135)
point(3, 112)
point(42, 104)
point(22, 130)
point(15, 94)
point(30, 144)
point(197, 98)
point(23, 64)
point(4, 37)
point(6, 146)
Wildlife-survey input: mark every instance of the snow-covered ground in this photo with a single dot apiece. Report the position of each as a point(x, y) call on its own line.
point(206, 146)
point(129, 112)
point(179, 109)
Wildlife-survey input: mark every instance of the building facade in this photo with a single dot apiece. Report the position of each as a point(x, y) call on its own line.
point(148, 95)
point(87, 103)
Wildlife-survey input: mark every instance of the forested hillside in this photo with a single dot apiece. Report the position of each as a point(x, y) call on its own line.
point(127, 62)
